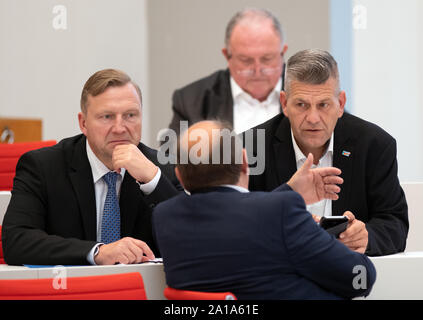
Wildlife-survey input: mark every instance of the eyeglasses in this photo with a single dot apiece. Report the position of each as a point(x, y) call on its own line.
point(263, 71)
point(266, 70)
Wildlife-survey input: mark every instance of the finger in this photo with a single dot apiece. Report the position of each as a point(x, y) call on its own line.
point(328, 171)
point(316, 218)
point(136, 251)
point(145, 248)
point(332, 188)
point(349, 215)
point(308, 163)
point(125, 257)
point(333, 180)
point(331, 196)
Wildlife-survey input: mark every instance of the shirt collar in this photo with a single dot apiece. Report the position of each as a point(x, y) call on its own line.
point(237, 188)
point(299, 155)
point(238, 92)
point(97, 167)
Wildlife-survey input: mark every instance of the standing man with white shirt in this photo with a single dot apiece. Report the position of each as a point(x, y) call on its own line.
point(315, 122)
point(247, 93)
point(89, 198)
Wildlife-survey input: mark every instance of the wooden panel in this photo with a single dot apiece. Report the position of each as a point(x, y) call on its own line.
point(24, 130)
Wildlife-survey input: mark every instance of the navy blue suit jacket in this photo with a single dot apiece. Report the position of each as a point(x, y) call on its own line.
point(258, 245)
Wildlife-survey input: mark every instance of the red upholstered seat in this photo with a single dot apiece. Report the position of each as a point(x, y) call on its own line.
point(9, 156)
point(176, 294)
point(124, 286)
point(1, 250)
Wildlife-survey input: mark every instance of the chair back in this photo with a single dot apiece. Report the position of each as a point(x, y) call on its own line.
point(1, 250)
point(9, 156)
point(177, 294)
point(123, 286)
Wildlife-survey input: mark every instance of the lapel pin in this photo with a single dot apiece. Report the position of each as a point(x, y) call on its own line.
point(346, 153)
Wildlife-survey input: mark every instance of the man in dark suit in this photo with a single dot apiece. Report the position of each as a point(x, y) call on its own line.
point(315, 123)
point(247, 93)
point(257, 245)
point(63, 209)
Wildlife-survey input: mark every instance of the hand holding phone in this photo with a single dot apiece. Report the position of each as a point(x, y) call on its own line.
point(334, 224)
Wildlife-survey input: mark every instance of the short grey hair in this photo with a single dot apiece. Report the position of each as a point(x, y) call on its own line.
point(249, 13)
point(311, 66)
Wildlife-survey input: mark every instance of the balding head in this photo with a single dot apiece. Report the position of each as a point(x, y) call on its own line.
point(209, 154)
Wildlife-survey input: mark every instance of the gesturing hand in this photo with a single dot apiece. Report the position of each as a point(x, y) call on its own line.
point(316, 184)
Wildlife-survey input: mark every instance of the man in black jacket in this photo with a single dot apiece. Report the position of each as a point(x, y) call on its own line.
point(63, 209)
point(315, 122)
point(247, 93)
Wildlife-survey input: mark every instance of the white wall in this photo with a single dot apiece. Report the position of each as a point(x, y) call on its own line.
point(43, 69)
point(388, 76)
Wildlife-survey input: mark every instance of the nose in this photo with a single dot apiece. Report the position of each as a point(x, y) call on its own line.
point(118, 125)
point(313, 116)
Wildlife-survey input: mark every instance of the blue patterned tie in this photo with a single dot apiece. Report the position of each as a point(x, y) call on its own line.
point(110, 225)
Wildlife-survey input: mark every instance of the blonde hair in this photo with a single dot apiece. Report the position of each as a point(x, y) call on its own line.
point(103, 79)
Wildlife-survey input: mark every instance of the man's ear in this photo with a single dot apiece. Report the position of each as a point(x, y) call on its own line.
point(178, 175)
point(81, 121)
point(284, 102)
point(342, 99)
point(225, 53)
point(245, 168)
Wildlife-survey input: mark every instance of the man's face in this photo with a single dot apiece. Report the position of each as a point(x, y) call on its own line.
point(112, 118)
point(255, 58)
point(313, 111)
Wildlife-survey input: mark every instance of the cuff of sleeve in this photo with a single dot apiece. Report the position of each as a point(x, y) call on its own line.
point(149, 187)
point(93, 252)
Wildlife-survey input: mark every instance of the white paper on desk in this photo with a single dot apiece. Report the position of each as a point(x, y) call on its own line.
point(156, 260)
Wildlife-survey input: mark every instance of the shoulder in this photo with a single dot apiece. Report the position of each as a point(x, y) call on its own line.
point(288, 201)
point(362, 130)
point(211, 82)
point(63, 149)
point(271, 126)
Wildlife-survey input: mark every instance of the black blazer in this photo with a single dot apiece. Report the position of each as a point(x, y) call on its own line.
point(258, 245)
point(51, 218)
point(209, 98)
point(371, 189)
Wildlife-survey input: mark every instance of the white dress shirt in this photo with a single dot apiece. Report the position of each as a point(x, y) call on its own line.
point(98, 170)
point(323, 207)
point(249, 112)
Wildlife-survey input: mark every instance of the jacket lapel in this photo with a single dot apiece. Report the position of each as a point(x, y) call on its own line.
point(283, 152)
point(81, 178)
point(219, 101)
point(129, 201)
point(343, 157)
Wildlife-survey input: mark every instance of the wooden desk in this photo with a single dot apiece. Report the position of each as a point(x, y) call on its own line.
point(24, 130)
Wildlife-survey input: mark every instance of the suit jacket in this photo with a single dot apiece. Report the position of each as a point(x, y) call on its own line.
point(209, 98)
point(371, 189)
point(258, 245)
point(51, 218)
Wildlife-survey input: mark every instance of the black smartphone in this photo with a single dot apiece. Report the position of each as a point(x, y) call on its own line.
point(334, 224)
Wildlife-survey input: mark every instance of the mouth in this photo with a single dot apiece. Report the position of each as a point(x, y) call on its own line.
point(116, 142)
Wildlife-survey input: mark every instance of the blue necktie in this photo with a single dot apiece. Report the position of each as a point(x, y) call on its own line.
point(110, 224)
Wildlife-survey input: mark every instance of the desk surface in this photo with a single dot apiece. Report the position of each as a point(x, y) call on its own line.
point(152, 274)
point(398, 277)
